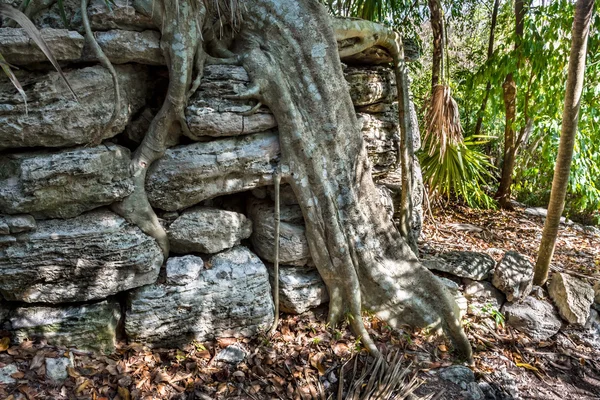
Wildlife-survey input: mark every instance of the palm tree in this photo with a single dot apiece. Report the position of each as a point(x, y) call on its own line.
point(580, 32)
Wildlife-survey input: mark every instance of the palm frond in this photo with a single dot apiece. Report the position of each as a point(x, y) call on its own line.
point(31, 31)
point(6, 67)
point(442, 121)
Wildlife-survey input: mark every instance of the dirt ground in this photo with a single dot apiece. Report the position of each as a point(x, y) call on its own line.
point(307, 360)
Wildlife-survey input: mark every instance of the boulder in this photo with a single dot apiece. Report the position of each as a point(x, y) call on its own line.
point(300, 289)
point(55, 119)
point(187, 175)
point(483, 298)
point(293, 246)
point(56, 368)
point(11, 224)
point(464, 264)
point(89, 257)
point(371, 85)
point(208, 230)
point(18, 49)
point(227, 296)
point(127, 47)
point(514, 276)
point(573, 297)
point(536, 318)
point(209, 114)
point(454, 289)
point(66, 183)
point(86, 327)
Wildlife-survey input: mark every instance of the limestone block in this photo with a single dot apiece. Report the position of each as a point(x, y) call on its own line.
point(572, 296)
point(18, 49)
point(209, 114)
point(6, 372)
point(293, 246)
point(465, 264)
point(89, 257)
point(483, 296)
point(227, 296)
point(371, 85)
point(55, 119)
point(536, 318)
point(208, 230)
point(187, 175)
point(66, 183)
point(300, 289)
point(128, 47)
point(380, 132)
point(56, 368)
point(11, 224)
point(514, 276)
point(86, 327)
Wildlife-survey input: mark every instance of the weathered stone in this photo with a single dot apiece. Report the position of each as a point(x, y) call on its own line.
point(127, 47)
point(11, 224)
point(458, 375)
point(293, 246)
point(514, 276)
point(371, 85)
point(55, 119)
point(6, 372)
point(90, 326)
point(56, 368)
point(228, 296)
point(89, 257)
point(187, 175)
point(380, 132)
point(597, 295)
point(208, 230)
point(573, 297)
point(300, 289)
point(65, 183)
point(483, 298)
point(18, 49)
point(120, 15)
point(465, 264)
point(232, 354)
point(454, 290)
point(209, 114)
point(536, 318)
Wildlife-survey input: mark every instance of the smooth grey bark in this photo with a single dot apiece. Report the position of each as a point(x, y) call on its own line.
point(580, 33)
point(290, 51)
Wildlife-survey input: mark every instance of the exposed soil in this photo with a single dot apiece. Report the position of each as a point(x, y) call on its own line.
point(305, 359)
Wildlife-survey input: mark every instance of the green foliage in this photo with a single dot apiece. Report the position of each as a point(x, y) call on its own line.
point(461, 171)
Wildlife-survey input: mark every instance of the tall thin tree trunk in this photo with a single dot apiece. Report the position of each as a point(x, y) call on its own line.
point(580, 32)
point(437, 27)
point(490, 51)
point(509, 90)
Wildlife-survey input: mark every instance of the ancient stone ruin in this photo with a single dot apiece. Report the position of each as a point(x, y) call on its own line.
point(77, 274)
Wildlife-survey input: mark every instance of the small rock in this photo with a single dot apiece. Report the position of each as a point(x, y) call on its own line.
point(6, 372)
point(483, 296)
point(572, 296)
point(232, 354)
point(208, 230)
point(300, 289)
point(536, 318)
point(465, 264)
point(459, 375)
point(538, 292)
point(514, 276)
point(473, 392)
point(56, 368)
point(16, 224)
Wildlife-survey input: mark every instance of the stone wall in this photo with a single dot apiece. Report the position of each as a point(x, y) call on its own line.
point(79, 275)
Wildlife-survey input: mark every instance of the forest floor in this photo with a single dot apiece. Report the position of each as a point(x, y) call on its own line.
point(307, 360)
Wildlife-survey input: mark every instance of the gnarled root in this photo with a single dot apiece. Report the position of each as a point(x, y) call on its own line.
point(362, 258)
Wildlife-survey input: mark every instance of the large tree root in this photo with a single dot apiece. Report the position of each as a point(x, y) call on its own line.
point(362, 258)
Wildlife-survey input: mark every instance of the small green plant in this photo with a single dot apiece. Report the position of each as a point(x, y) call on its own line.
point(493, 312)
point(316, 340)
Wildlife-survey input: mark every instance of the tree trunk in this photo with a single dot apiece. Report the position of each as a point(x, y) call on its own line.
point(490, 51)
point(580, 32)
point(437, 28)
point(509, 90)
point(290, 52)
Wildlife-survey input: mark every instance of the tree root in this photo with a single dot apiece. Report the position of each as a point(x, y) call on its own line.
point(277, 183)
